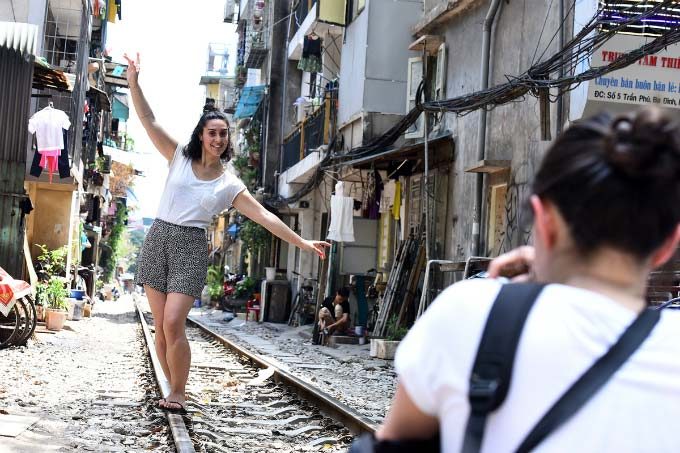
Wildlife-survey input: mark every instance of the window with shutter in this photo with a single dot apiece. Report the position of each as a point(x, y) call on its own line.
point(415, 75)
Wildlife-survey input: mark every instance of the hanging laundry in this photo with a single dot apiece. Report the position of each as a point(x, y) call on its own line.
point(48, 125)
point(62, 161)
point(342, 218)
point(396, 206)
point(374, 195)
point(311, 54)
point(112, 11)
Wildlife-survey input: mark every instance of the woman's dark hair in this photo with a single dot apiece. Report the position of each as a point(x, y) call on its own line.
point(343, 292)
point(194, 150)
point(616, 180)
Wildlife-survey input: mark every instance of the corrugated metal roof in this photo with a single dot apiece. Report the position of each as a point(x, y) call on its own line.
point(20, 37)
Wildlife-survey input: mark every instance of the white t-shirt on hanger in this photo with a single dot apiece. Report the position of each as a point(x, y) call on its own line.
point(48, 124)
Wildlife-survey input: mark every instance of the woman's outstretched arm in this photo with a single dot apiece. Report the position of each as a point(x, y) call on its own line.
point(249, 206)
point(165, 144)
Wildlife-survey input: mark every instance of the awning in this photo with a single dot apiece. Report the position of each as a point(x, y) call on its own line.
point(249, 101)
point(101, 97)
point(45, 76)
point(441, 151)
point(19, 37)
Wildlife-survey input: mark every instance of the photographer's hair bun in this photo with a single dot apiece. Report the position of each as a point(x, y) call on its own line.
point(209, 107)
point(644, 146)
point(616, 180)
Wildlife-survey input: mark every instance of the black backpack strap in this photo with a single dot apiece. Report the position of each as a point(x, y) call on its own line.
point(592, 380)
point(492, 370)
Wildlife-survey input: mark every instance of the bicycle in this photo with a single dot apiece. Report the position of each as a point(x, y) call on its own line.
point(304, 304)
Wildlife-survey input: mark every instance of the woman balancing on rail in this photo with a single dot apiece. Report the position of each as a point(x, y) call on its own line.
point(174, 258)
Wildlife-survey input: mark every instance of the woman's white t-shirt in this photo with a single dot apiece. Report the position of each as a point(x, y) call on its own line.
point(189, 201)
point(568, 328)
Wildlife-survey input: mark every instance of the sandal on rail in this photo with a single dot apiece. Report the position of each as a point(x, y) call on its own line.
point(175, 410)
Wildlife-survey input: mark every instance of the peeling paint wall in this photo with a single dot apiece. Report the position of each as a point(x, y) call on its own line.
point(513, 130)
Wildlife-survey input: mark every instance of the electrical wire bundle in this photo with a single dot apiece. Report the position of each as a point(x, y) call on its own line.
point(576, 52)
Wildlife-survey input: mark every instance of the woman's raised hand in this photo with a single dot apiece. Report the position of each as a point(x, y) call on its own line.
point(132, 71)
point(318, 247)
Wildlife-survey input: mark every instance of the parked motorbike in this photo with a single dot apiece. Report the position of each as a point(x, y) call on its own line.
point(229, 288)
point(17, 311)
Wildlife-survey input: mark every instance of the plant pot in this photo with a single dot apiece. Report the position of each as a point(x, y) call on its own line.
point(40, 312)
point(383, 349)
point(55, 319)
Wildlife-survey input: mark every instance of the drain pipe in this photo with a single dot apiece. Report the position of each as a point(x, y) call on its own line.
point(560, 98)
point(481, 130)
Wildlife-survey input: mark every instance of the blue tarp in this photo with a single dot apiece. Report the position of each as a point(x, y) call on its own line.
point(233, 230)
point(249, 101)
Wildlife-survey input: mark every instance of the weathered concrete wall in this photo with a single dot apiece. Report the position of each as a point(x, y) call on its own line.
point(50, 221)
point(513, 130)
point(375, 54)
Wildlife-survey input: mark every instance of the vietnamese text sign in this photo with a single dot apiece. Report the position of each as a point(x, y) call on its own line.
point(652, 80)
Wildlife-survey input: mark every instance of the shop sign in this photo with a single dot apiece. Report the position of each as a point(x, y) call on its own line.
point(652, 80)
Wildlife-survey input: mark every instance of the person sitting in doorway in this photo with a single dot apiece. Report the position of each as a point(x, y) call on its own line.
point(334, 315)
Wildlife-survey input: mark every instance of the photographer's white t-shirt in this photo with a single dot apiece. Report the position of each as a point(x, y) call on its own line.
point(638, 410)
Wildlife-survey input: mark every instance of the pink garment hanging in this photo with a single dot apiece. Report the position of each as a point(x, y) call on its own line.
point(49, 160)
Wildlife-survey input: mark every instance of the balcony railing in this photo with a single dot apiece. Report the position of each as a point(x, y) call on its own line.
point(256, 48)
point(257, 37)
point(307, 136)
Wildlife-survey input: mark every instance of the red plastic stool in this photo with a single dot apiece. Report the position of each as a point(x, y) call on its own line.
point(253, 305)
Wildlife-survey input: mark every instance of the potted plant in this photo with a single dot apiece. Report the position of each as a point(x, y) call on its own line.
point(40, 300)
point(385, 348)
point(57, 308)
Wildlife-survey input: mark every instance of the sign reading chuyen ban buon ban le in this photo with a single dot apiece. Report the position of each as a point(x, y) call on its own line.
point(652, 80)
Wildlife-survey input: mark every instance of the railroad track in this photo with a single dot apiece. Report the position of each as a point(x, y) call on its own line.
point(239, 401)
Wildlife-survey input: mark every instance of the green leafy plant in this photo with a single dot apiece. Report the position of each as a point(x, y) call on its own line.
point(41, 294)
point(245, 287)
point(114, 242)
point(395, 333)
point(56, 293)
point(214, 281)
point(53, 262)
point(253, 235)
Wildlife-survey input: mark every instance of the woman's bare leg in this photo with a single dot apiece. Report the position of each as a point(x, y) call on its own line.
point(178, 353)
point(157, 303)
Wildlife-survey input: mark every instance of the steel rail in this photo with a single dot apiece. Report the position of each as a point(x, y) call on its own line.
point(351, 419)
point(180, 434)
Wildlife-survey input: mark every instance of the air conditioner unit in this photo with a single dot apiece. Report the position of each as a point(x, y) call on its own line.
point(229, 10)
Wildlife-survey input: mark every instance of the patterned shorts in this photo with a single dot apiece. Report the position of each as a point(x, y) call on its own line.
point(173, 259)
